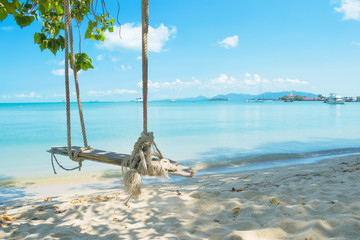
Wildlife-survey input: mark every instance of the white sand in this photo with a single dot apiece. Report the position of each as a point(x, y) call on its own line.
point(317, 201)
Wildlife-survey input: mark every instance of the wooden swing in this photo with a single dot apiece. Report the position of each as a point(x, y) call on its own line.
point(143, 159)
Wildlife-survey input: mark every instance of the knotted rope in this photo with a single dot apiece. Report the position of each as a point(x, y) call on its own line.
point(141, 163)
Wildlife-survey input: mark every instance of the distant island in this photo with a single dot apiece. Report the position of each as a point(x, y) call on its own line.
point(286, 96)
point(219, 99)
point(243, 97)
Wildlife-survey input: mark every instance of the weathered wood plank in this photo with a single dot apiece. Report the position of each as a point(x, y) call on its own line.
point(117, 158)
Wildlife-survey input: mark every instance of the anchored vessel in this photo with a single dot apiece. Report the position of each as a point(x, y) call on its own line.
point(335, 99)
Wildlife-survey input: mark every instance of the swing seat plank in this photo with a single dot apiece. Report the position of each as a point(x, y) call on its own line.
point(115, 158)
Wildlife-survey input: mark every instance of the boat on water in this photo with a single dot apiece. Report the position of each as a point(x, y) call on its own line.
point(139, 100)
point(173, 100)
point(335, 99)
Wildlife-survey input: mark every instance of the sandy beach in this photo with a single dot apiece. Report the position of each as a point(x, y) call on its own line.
point(314, 201)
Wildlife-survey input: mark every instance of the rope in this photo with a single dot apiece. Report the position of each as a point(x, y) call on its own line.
point(73, 155)
point(67, 87)
point(69, 26)
point(145, 28)
point(53, 156)
point(140, 163)
point(141, 160)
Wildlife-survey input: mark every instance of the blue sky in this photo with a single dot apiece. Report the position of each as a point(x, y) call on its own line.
point(199, 48)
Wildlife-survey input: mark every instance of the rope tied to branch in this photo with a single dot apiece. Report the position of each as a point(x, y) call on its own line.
point(73, 154)
point(140, 163)
point(141, 160)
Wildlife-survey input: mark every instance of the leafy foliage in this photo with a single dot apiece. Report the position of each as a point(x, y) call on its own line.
point(82, 61)
point(51, 13)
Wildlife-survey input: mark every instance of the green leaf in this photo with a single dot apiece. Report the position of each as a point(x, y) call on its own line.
point(37, 38)
point(23, 21)
point(47, 6)
point(43, 45)
point(83, 62)
point(59, 10)
point(53, 45)
point(9, 7)
point(3, 13)
point(17, 5)
point(26, 7)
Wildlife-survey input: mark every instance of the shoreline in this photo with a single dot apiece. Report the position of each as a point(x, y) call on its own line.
point(111, 178)
point(318, 201)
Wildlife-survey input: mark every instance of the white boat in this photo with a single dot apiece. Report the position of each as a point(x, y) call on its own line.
point(173, 100)
point(139, 99)
point(335, 99)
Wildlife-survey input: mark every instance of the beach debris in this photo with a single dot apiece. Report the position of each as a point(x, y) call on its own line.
point(310, 238)
point(60, 210)
point(236, 211)
point(43, 208)
point(98, 198)
point(302, 203)
point(332, 202)
point(275, 200)
point(245, 177)
point(178, 192)
point(7, 218)
point(78, 201)
point(236, 189)
point(48, 199)
point(215, 220)
point(198, 198)
point(115, 219)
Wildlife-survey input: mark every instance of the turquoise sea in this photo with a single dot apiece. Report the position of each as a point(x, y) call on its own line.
point(212, 136)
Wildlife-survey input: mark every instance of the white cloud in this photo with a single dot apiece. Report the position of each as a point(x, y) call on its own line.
point(131, 37)
point(356, 43)
point(30, 95)
point(100, 57)
point(125, 91)
point(139, 58)
point(115, 59)
point(291, 81)
point(254, 79)
point(61, 63)
point(177, 84)
point(57, 62)
point(58, 72)
point(61, 72)
point(223, 81)
point(5, 96)
point(123, 68)
point(58, 95)
point(111, 92)
point(7, 28)
point(350, 9)
point(248, 75)
point(229, 42)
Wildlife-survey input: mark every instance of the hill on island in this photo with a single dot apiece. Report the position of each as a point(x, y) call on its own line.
point(242, 97)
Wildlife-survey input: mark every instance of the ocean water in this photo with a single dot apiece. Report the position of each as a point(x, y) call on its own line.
point(216, 135)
